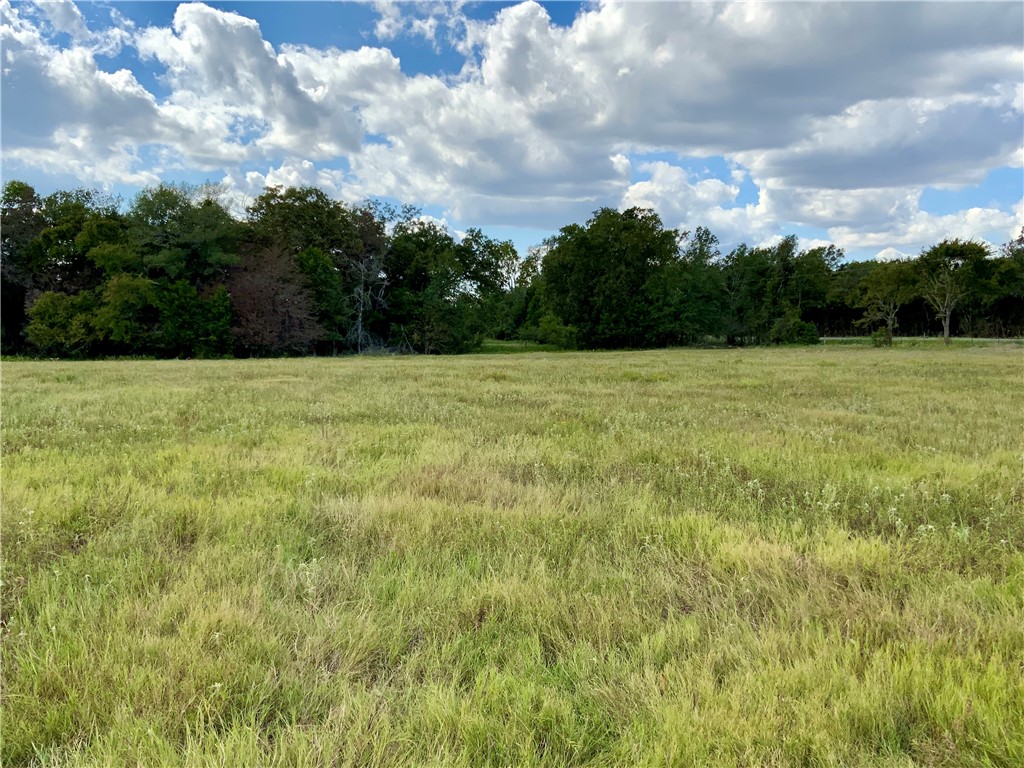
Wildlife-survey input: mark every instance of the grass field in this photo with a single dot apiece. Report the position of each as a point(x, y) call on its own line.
point(718, 557)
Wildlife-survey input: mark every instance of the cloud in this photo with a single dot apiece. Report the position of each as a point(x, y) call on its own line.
point(892, 254)
point(686, 202)
point(230, 90)
point(390, 24)
point(839, 114)
point(893, 143)
point(65, 17)
point(801, 96)
point(70, 115)
point(418, 20)
point(920, 228)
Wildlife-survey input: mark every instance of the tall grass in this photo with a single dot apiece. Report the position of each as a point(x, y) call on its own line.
point(719, 557)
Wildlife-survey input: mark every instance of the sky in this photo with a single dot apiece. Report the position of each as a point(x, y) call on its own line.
point(881, 127)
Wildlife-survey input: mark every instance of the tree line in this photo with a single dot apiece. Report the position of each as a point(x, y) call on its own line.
point(174, 274)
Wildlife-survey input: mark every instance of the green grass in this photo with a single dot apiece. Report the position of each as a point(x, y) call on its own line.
point(699, 557)
point(512, 347)
point(925, 342)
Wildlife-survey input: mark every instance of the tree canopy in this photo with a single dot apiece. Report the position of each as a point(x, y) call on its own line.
point(174, 274)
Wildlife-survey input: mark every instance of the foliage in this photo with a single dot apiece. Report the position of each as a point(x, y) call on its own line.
point(127, 314)
point(888, 287)
point(274, 309)
point(598, 278)
point(182, 238)
point(790, 329)
point(299, 218)
point(687, 295)
point(433, 299)
point(174, 274)
point(328, 291)
point(63, 325)
point(192, 325)
point(882, 337)
point(949, 273)
point(21, 221)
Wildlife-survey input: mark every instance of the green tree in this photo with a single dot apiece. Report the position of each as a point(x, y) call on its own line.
point(598, 278)
point(431, 305)
point(844, 313)
point(774, 291)
point(180, 237)
point(812, 283)
point(330, 295)
point(127, 314)
point(687, 295)
point(59, 281)
point(21, 222)
point(888, 287)
point(298, 218)
point(491, 269)
point(192, 324)
point(58, 256)
point(747, 273)
point(948, 272)
point(1005, 306)
point(65, 325)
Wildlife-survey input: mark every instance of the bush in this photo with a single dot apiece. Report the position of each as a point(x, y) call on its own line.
point(882, 338)
point(551, 330)
point(64, 325)
point(792, 330)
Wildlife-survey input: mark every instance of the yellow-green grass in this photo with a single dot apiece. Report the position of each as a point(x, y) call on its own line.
point(684, 557)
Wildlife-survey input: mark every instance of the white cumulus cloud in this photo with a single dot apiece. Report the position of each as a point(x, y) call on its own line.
point(839, 114)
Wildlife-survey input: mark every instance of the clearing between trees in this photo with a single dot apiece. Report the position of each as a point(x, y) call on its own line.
point(680, 557)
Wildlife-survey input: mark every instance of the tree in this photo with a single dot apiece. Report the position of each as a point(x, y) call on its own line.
point(21, 221)
point(327, 288)
point(298, 218)
point(703, 305)
point(64, 324)
point(687, 294)
point(948, 272)
point(888, 287)
point(599, 278)
point(58, 257)
point(431, 303)
point(192, 324)
point(128, 313)
point(813, 283)
point(490, 268)
point(1005, 306)
point(273, 306)
point(776, 292)
point(369, 286)
point(48, 247)
point(368, 280)
point(181, 238)
point(747, 274)
point(844, 313)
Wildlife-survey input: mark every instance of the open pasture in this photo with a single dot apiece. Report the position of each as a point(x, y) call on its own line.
point(701, 557)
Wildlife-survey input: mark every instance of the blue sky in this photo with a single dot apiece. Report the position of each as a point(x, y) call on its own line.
point(881, 127)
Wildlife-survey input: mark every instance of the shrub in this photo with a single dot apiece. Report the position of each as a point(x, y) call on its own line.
point(790, 329)
point(64, 325)
point(882, 337)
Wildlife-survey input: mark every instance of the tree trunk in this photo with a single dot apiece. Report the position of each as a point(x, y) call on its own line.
point(945, 328)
